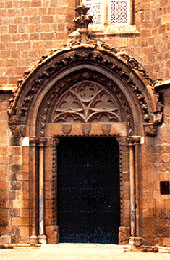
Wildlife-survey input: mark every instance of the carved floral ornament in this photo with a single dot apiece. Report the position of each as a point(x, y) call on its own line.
point(87, 100)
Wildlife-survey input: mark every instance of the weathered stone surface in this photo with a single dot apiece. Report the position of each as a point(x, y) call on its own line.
point(124, 233)
point(104, 90)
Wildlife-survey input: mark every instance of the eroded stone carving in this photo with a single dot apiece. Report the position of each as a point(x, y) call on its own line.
point(86, 128)
point(66, 128)
point(86, 102)
point(150, 129)
point(106, 128)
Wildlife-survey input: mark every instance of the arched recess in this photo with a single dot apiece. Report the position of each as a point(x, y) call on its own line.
point(118, 73)
point(85, 90)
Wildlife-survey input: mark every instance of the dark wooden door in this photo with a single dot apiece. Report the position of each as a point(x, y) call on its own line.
point(88, 190)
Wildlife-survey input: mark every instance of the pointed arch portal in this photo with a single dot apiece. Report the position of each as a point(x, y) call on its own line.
point(86, 92)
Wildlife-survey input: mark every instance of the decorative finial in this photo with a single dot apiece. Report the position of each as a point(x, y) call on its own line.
point(83, 19)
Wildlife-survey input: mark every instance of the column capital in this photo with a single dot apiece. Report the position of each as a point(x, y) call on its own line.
point(133, 140)
point(42, 141)
point(34, 141)
point(37, 141)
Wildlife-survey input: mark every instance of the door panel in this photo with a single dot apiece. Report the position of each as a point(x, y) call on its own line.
point(88, 190)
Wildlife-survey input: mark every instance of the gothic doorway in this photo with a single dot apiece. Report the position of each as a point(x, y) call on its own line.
point(90, 94)
point(88, 190)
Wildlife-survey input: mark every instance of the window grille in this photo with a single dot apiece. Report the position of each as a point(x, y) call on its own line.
point(118, 11)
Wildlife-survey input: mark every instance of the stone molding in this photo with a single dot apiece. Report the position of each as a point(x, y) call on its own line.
point(115, 129)
point(98, 55)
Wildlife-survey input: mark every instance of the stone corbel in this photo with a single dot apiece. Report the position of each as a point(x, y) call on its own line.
point(151, 129)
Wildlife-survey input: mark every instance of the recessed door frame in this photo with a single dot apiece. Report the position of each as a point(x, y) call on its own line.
point(48, 181)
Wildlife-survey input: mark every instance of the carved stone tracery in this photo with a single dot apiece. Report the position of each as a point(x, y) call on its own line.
point(87, 102)
point(85, 99)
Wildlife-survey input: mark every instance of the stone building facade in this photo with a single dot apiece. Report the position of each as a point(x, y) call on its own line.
point(88, 92)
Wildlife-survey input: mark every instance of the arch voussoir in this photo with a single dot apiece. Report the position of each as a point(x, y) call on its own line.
point(56, 73)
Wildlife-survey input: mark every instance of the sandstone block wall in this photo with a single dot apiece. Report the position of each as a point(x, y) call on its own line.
point(28, 29)
point(5, 160)
point(14, 182)
point(31, 28)
point(151, 45)
point(153, 169)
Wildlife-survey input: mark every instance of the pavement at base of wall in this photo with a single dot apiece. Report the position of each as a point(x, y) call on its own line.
point(78, 252)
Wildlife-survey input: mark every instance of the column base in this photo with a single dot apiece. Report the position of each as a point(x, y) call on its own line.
point(33, 240)
point(136, 241)
point(42, 239)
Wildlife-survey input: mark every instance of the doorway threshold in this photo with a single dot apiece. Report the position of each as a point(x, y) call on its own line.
point(88, 246)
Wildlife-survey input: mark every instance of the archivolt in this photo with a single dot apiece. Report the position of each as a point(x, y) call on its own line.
point(58, 75)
